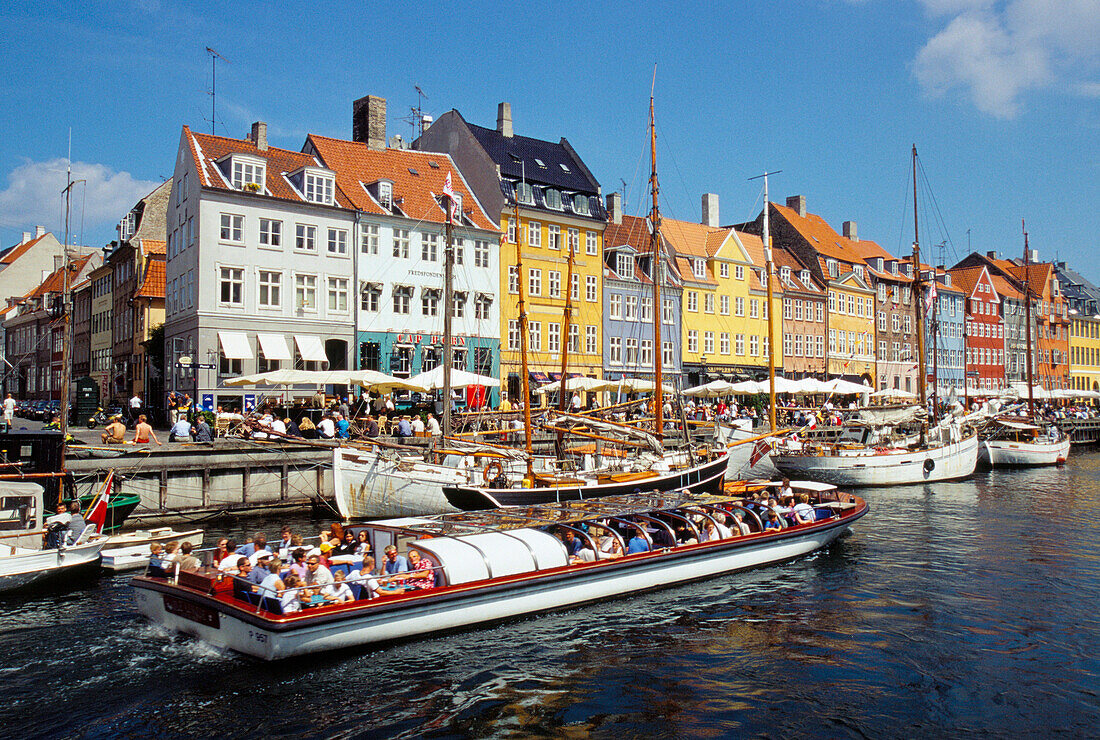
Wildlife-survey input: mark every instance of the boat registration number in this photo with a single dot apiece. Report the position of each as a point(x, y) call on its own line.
point(204, 615)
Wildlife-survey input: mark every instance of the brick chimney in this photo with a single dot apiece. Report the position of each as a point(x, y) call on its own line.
point(710, 210)
point(797, 203)
point(504, 119)
point(258, 136)
point(991, 254)
point(615, 208)
point(368, 121)
point(850, 232)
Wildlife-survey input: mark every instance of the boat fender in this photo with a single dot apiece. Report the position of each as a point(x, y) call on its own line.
point(493, 470)
point(929, 465)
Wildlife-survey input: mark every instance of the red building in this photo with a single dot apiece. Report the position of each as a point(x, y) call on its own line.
point(985, 338)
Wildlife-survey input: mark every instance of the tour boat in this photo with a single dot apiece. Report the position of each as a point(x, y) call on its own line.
point(23, 559)
point(951, 458)
point(1020, 444)
point(495, 565)
point(130, 550)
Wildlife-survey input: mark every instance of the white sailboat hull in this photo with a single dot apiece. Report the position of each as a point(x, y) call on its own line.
point(370, 485)
point(868, 467)
point(229, 629)
point(21, 567)
point(1006, 453)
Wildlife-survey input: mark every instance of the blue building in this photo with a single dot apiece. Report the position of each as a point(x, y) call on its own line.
point(949, 316)
point(628, 347)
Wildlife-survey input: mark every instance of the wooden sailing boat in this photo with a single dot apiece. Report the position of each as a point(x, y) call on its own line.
point(945, 452)
point(1024, 442)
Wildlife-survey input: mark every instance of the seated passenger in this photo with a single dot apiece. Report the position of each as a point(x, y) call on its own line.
point(155, 553)
point(422, 570)
point(610, 548)
point(772, 523)
point(365, 577)
point(298, 563)
point(188, 561)
point(739, 521)
point(272, 583)
point(339, 592)
point(637, 543)
point(290, 598)
point(318, 574)
point(573, 544)
point(803, 513)
point(394, 563)
point(362, 543)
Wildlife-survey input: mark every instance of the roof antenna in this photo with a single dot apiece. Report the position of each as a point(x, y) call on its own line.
point(214, 57)
point(623, 191)
point(419, 110)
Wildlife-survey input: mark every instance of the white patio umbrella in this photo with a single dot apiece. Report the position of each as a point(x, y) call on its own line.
point(894, 393)
point(281, 377)
point(637, 385)
point(713, 389)
point(375, 381)
point(578, 383)
point(433, 379)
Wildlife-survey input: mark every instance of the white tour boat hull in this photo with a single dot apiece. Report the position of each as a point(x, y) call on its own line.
point(1006, 453)
point(952, 461)
point(199, 616)
point(21, 567)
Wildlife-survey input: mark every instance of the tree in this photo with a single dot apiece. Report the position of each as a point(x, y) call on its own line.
point(154, 348)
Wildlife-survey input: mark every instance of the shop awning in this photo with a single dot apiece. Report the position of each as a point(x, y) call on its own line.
point(235, 345)
point(310, 348)
point(274, 347)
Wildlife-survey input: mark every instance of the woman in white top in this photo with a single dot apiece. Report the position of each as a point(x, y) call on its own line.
point(290, 598)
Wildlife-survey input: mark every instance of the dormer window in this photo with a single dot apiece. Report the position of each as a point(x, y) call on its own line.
point(385, 194)
point(580, 204)
point(318, 188)
point(785, 274)
point(699, 267)
point(858, 270)
point(834, 269)
point(804, 277)
point(894, 267)
point(624, 265)
point(127, 227)
point(248, 174)
point(524, 193)
point(552, 198)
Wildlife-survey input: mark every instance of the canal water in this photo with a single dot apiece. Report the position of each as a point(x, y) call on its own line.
point(957, 609)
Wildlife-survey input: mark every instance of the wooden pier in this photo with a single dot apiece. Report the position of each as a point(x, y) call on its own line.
point(1081, 431)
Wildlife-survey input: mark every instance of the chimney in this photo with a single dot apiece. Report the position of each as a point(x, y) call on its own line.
point(39, 231)
point(1034, 256)
point(259, 135)
point(368, 121)
point(850, 232)
point(504, 119)
point(797, 203)
point(710, 210)
point(615, 208)
point(991, 254)
point(56, 262)
point(26, 237)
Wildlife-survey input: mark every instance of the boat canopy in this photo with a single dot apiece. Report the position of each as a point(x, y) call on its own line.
point(1016, 425)
point(476, 557)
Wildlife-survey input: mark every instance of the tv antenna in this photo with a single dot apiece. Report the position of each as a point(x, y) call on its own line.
point(418, 113)
point(214, 57)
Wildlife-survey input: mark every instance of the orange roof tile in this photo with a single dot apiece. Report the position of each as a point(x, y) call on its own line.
point(967, 278)
point(357, 165)
point(54, 282)
point(688, 238)
point(754, 246)
point(206, 149)
point(19, 250)
point(633, 231)
point(822, 237)
point(786, 258)
point(153, 285)
point(687, 272)
point(154, 246)
point(1004, 288)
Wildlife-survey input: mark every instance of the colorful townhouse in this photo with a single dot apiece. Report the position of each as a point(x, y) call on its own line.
point(895, 319)
point(1083, 299)
point(945, 334)
point(801, 320)
point(628, 295)
point(751, 323)
point(984, 330)
point(834, 261)
point(703, 331)
point(549, 207)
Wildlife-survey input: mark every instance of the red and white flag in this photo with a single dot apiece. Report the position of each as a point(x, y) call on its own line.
point(448, 190)
point(760, 450)
point(97, 512)
point(931, 297)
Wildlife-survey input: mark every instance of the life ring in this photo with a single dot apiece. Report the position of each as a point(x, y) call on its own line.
point(929, 465)
point(493, 470)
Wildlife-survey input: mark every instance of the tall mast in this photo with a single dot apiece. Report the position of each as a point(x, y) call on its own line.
point(1027, 319)
point(525, 383)
point(918, 296)
point(770, 267)
point(66, 315)
point(565, 324)
point(655, 246)
point(448, 314)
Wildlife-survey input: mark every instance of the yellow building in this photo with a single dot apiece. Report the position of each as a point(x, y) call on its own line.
point(1084, 353)
point(755, 318)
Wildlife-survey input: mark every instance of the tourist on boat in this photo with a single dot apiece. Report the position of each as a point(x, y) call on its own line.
point(171, 551)
point(257, 544)
point(394, 563)
point(573, 544)
point(638, 542)
point(243, 569)
point(318, 574)
point(261, 570)
point(739, 522)
point(803, 513)
point(290, 598)
point(187, 560)
point(220, 551)
point(298, 562)
point(365, 577)
point(772, 523)
point(609, 545)
point(284, 545)
point(143, 432)
point(272, 583)
point(348, 545)
point(362, 543)
point(76, 523)
point(339, 591)
point(785, 490)
point(324, 554)
point(422, 570)
point(115, 431)
point(57, 527)
point(231, 562)
point(180, 431)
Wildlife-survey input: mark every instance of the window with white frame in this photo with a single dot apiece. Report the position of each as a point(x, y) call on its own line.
point(788, 309)
point(645, 358)
point(513, 279)
point(590, 245)
point(797, 310)
point(590, 288)
point(724, 270)
point(631, 311)
point(534, 234)
point(534, 281)
point(370, 297)
point(271, 232)
point(402, 299)
point(630, 351)
point(481, 253)
point(232, 286)
point(667, 312)
point(553, 337)
point(305, 292)
point(401, 243)
point(820, 313)
point(270, 289)
point(248, 175)
point(646, 311)
point(699, 267)
point(318, 188)
point(692, 301)
point(338, 294)
point(708, 302)
point(385, 194)
point(553, 236)
point(573, 237)
point(483, 304)
point(575, 287)
point(458, 305)
point(232, 228)
point(624, 265)
point(429, 302)
point(739, 272)
point(615, 309)
point(667, 358)
point(369, 239)
point(513, 335)
point(754, 345)
point(754, 308)
point(574, 338)
point(693, 341)
point(429, 247)
point(708, 342)
point(724, 305)
point(591, 340)
point(337, 241)
point(616, 350)
point(511, 231)
point(738, 307)
point(305, 237)
point(724, 343)
point(553, 283)
point(534, 331)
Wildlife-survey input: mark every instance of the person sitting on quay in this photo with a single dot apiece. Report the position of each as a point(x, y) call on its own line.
point(394, 563)
point(342, 426)
point(143, 432)
point(181, 430)
point(326, 428)
point(404, 429)
point(307, 428)
point(292, 430)
point(372, 426)
point(433, 426)
point(115, 431)
point(418, 426)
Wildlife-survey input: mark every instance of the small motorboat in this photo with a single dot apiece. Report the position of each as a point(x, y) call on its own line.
point(497, 564)
point(130, 550)
point(1021, 444)
point(23, 558)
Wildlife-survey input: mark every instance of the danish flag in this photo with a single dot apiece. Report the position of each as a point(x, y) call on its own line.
point(97, 512)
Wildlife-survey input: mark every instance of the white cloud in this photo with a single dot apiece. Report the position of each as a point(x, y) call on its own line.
point(33, 194)
point(996, 53)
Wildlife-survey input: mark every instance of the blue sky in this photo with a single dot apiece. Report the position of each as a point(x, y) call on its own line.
point(1000, 97)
